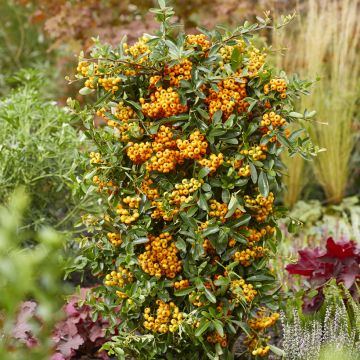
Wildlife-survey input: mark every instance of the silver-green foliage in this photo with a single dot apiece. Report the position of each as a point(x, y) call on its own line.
point(38, 150)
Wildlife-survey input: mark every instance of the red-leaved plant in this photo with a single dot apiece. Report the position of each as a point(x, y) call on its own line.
point(340, 261)
point(76, 335)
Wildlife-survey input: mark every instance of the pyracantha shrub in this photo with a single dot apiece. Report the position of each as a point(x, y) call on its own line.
point(340, 261)
point(187, 132)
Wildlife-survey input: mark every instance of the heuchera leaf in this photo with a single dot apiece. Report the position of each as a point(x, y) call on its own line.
point(340, 261)
point(341, 249)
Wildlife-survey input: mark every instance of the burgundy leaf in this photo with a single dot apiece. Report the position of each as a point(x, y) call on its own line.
point(340, 249)
point(349, 274)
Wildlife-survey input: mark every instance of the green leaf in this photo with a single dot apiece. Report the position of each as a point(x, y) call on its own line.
point(216, 119)
point(183, 292)
point(263, 183)
point(202, 328)
point(181, 244)
point(233, 205)
point(210, 296)
point(86, 91)
point(140, 240)
point(253, 173)
point(203, 113)
point(202, 203)
point(203, 172)
point(225, 196)
point(162, 4)
point(210, 230)
point(296, 115)
point(260, 277)
point(277, 351)
point(218, 327)
point(206, 187)
point(236, 59)
point(243, 220)
point(222, 281)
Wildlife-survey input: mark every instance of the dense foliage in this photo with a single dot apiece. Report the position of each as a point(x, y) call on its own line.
point(187, 168)
point(39, 150)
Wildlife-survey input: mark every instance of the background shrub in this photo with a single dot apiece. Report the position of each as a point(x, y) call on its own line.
point(39, 150)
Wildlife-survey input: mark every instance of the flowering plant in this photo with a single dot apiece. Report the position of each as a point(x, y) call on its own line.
point(187, 167)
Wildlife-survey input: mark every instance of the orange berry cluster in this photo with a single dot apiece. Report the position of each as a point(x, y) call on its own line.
point(160, 257)
point(216, 338)
point(179, 72)
point(95, 158)
point(213, 162)
point(112, 188)
point(167, 156)
point(159, 211)
point(124, 113)
point(228, 98)
point(119, 278)
point(164, 139)
point(195, 299)
point(164, 161)
point(193, 148)
point(263, 322)
point(261, 351)
point(199, 39)
point(139, 152)
point(242, 170)
point(278, 85)
point(147, 188)
point(163, 103)
point(110, 84)
point(203, 225)
point(273, 119)
point(218, 210)
point(256, 152)
point(261, 205)
point(127, 216)
point(83, 68)
point(245, 257)
point(241, 290)
point(182, 284)
point(182, 191)
point(258, 326)
point(255, 235)
point(114, 238)
point(168, 318)
point(138, 50)
point(257, 60)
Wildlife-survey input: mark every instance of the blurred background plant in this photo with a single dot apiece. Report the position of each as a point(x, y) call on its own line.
point(40, 150)
point(28, 273)
point(324, 43)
